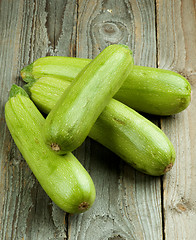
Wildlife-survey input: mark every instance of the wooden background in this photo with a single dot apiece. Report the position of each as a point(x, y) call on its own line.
point(129, 205)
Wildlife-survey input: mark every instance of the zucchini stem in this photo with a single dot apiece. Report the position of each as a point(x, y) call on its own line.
point(55, 147)
point(168, 167)
point(83, 206)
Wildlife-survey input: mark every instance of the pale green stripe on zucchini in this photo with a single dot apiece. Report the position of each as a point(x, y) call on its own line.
point(125, 132)
point(63, 178)
point(146, 89)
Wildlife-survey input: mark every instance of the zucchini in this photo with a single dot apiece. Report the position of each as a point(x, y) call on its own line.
point(63, 178)
point(71, 119)
point(125, 132)
point(146, 89)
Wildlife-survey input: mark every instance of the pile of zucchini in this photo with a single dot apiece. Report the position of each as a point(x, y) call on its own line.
point(94, 98)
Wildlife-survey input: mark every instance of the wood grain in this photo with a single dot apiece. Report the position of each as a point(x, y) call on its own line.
point(29, 31)
point(177, 51)
point(128, 203)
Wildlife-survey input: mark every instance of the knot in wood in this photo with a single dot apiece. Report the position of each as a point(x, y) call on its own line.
point(116, 238)
point(111, 31)
point(110, 28)
point(181, 207)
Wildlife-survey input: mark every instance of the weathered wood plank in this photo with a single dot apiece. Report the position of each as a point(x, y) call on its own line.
point(177, 51)
point(29, 30)
point(128, 204)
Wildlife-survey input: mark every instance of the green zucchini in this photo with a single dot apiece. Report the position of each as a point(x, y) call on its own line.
point(71, 119)
point(125, 132)
point(146, 89)
point(63, 178)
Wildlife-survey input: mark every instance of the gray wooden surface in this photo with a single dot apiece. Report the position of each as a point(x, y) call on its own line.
point(129, 205)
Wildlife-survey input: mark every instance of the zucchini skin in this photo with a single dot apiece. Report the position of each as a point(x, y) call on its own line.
point(63, 178)
point(155, 91)
point(71, 119)
point(146, 89)
point(134, 138)
point(125, 132)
